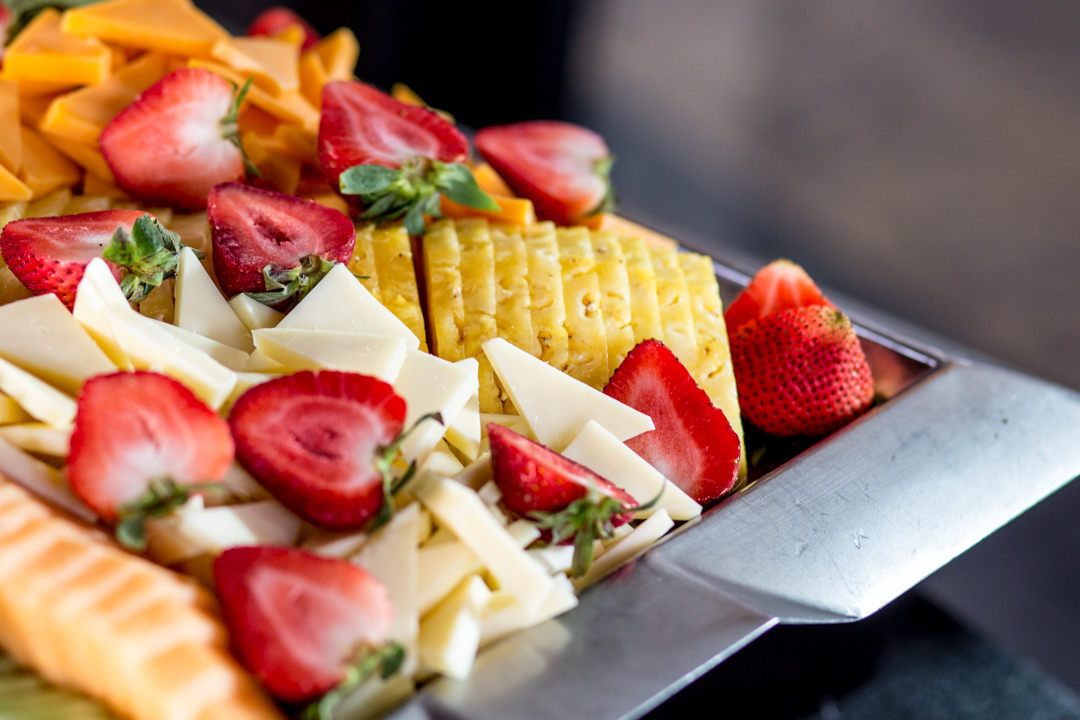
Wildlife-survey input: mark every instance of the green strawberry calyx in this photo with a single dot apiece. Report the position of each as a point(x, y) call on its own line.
point(384, 463)
point(412, 191)
point(160, 499)
point(291, 285)
point(385, 660)
point(150, 253)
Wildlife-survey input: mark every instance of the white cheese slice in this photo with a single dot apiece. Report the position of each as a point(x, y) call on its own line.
point(39, 335)
point(150, 346)
point(608, 457)
point(644, 535)
point(504, 614)
point(38, 438)
point(227, 355)
point(97, 290)
point(342, 545)
point(476, 473)
point(431, 384)
point(39, 399)
point(201, 309)
point(257, 362)
point(214, 529)
point(253, 314)
point(340, 302)
point(12, 412)
point(391, 555)
point(462, 511)
point(555, 405)
point(242, 484)
point(464, 431)
point(380, 356)
point(441, 463)
point(556, 558)
point(450, 633)
point(43, 480)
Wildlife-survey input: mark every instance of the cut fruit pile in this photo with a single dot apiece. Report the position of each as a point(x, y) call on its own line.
point(275, 330)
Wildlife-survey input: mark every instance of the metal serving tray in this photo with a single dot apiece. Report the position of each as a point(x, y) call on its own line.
point(960, 447)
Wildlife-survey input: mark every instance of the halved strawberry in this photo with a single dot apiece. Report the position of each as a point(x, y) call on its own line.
point(177, 140)
point(317, 443)
point(567, 498)
point(693, 444)
point(563, 168)
point(780, 285)
point(273, 245)
point(142, 443)
point(800, 371)
point(298, 620)
point(50, 254)
point(276, 21)
point(394, 158)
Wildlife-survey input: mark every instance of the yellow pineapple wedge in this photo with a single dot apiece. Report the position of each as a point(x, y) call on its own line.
point(547, 308)
point(676, 315)
point(587, 342)
point(513, 319)
point(644, 305)
point(478, 299)
point(87, 615)
point(442, 278)
point(614, 296)
point(362, 262)
point(397, 277)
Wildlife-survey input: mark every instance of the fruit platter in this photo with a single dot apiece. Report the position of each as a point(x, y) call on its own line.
point(313, 405)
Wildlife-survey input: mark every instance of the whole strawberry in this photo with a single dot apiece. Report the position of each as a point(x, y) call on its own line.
point(800, 371)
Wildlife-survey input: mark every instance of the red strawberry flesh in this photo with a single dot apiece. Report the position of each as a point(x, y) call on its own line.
point(533, 478)
point(780, 285)
point(693, 444)
point(253, 228)
point(362, 125)
point(170, 146)
point(552, 163)
point(134, 428)
point(50, 254)
point(311, 440)
point(275, 21)
point(296, 619)
point(800, 371)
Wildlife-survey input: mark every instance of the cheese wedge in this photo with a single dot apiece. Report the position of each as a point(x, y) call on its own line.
point(10, 137)
point(201, 309)
point(38, 438)
point(464, 432)
point(478, 301)
point(614, 283)
point(312, 77)
point(676, 313)
point(173, 27)
point(644, 301)
point(442, 276)
point(398, 290)
point(253, 314)
point(450, 633)
point(503, 615)
point(42, 52)
point(362, 262)
point(270, 62)
point(380, 356)
point(643, 536)
point(42, 401)
point(97, 290)
point(338, 52)
point(227, 355)
point(44, 168)
point(430, 384)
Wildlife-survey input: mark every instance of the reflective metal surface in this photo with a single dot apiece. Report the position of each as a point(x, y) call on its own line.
point(832, 535)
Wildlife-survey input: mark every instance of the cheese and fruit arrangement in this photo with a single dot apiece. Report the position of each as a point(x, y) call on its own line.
point(303, 404)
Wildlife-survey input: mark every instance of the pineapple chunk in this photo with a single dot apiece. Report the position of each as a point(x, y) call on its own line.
point(614, 296)
point(362, 262)
point(512, 317)
point(478, 299)
point(675, 312)
point(546, 305)
point(588, 356)
point(442, 275)
point(644, 304)
point(397, 278)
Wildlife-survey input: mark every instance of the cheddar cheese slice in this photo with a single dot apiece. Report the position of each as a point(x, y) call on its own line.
point(338, 52)
point(42, 52)
point(271, 63)
point(44, 168)
point(12, 188)
point(86, 156)
point(10, 137)
point(173, 27)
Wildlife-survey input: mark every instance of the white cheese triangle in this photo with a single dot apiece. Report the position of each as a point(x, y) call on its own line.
point(431, 384)
point(555, 405)
point(378, 355)
point(201, 309)
point(253, 313)
point(97, 290)
point(229, 356)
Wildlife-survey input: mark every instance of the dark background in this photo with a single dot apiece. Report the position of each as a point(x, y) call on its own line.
point(921, 155)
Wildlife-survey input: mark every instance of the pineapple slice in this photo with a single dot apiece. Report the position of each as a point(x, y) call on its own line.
point(442, 276)
point(614, 296)
point(478, 299)
point(546, 307)
point(713, 370)
point(362, 262)
point(644, 305)
point(588, 354)
point(513, 319)
point(397, 277)
point(675, 313)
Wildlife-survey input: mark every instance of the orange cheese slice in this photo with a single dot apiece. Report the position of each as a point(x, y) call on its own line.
point(87, 156)
point(173, 27)
point(32, 108)
point(10, 137)
point(298, 141)
point(490, 182)
point(312, 77)
point(44, 169)
point(272, 64)
point(94, 185)
point(339, 52)
point(82, 114)
point(512, 210)
point(12, 188)
point(42, 53)
point(279, 168)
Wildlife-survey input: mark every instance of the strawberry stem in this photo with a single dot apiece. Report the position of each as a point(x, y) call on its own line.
point(385, 660)
point(230, 127)
point(150, 253)
point(162, 496)
point(292, 285)
point(384, 463)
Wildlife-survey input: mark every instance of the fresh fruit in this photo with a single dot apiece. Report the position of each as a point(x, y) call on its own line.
point(278, 21)
point(298, 620)
point(693, 444)
point(780, 285)
point(50, 254)
point(801, 371)
point(141, 442)
point(394, 158)
point(273, 245)
point(177, 140)
point(316, 442)
point(563, 168)
point(568, 499)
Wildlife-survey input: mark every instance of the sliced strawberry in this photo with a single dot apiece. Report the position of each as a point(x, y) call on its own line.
point(276, 21)
point(393, 158)
point(800, 371)
point(780, 285)
point(313, 440)
point(274, 245)
point(297, 620)
point(693, 444)
point(177, 140)
point(141, 440)
point(563, 168)
point(569, 499)
point(50, 254)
